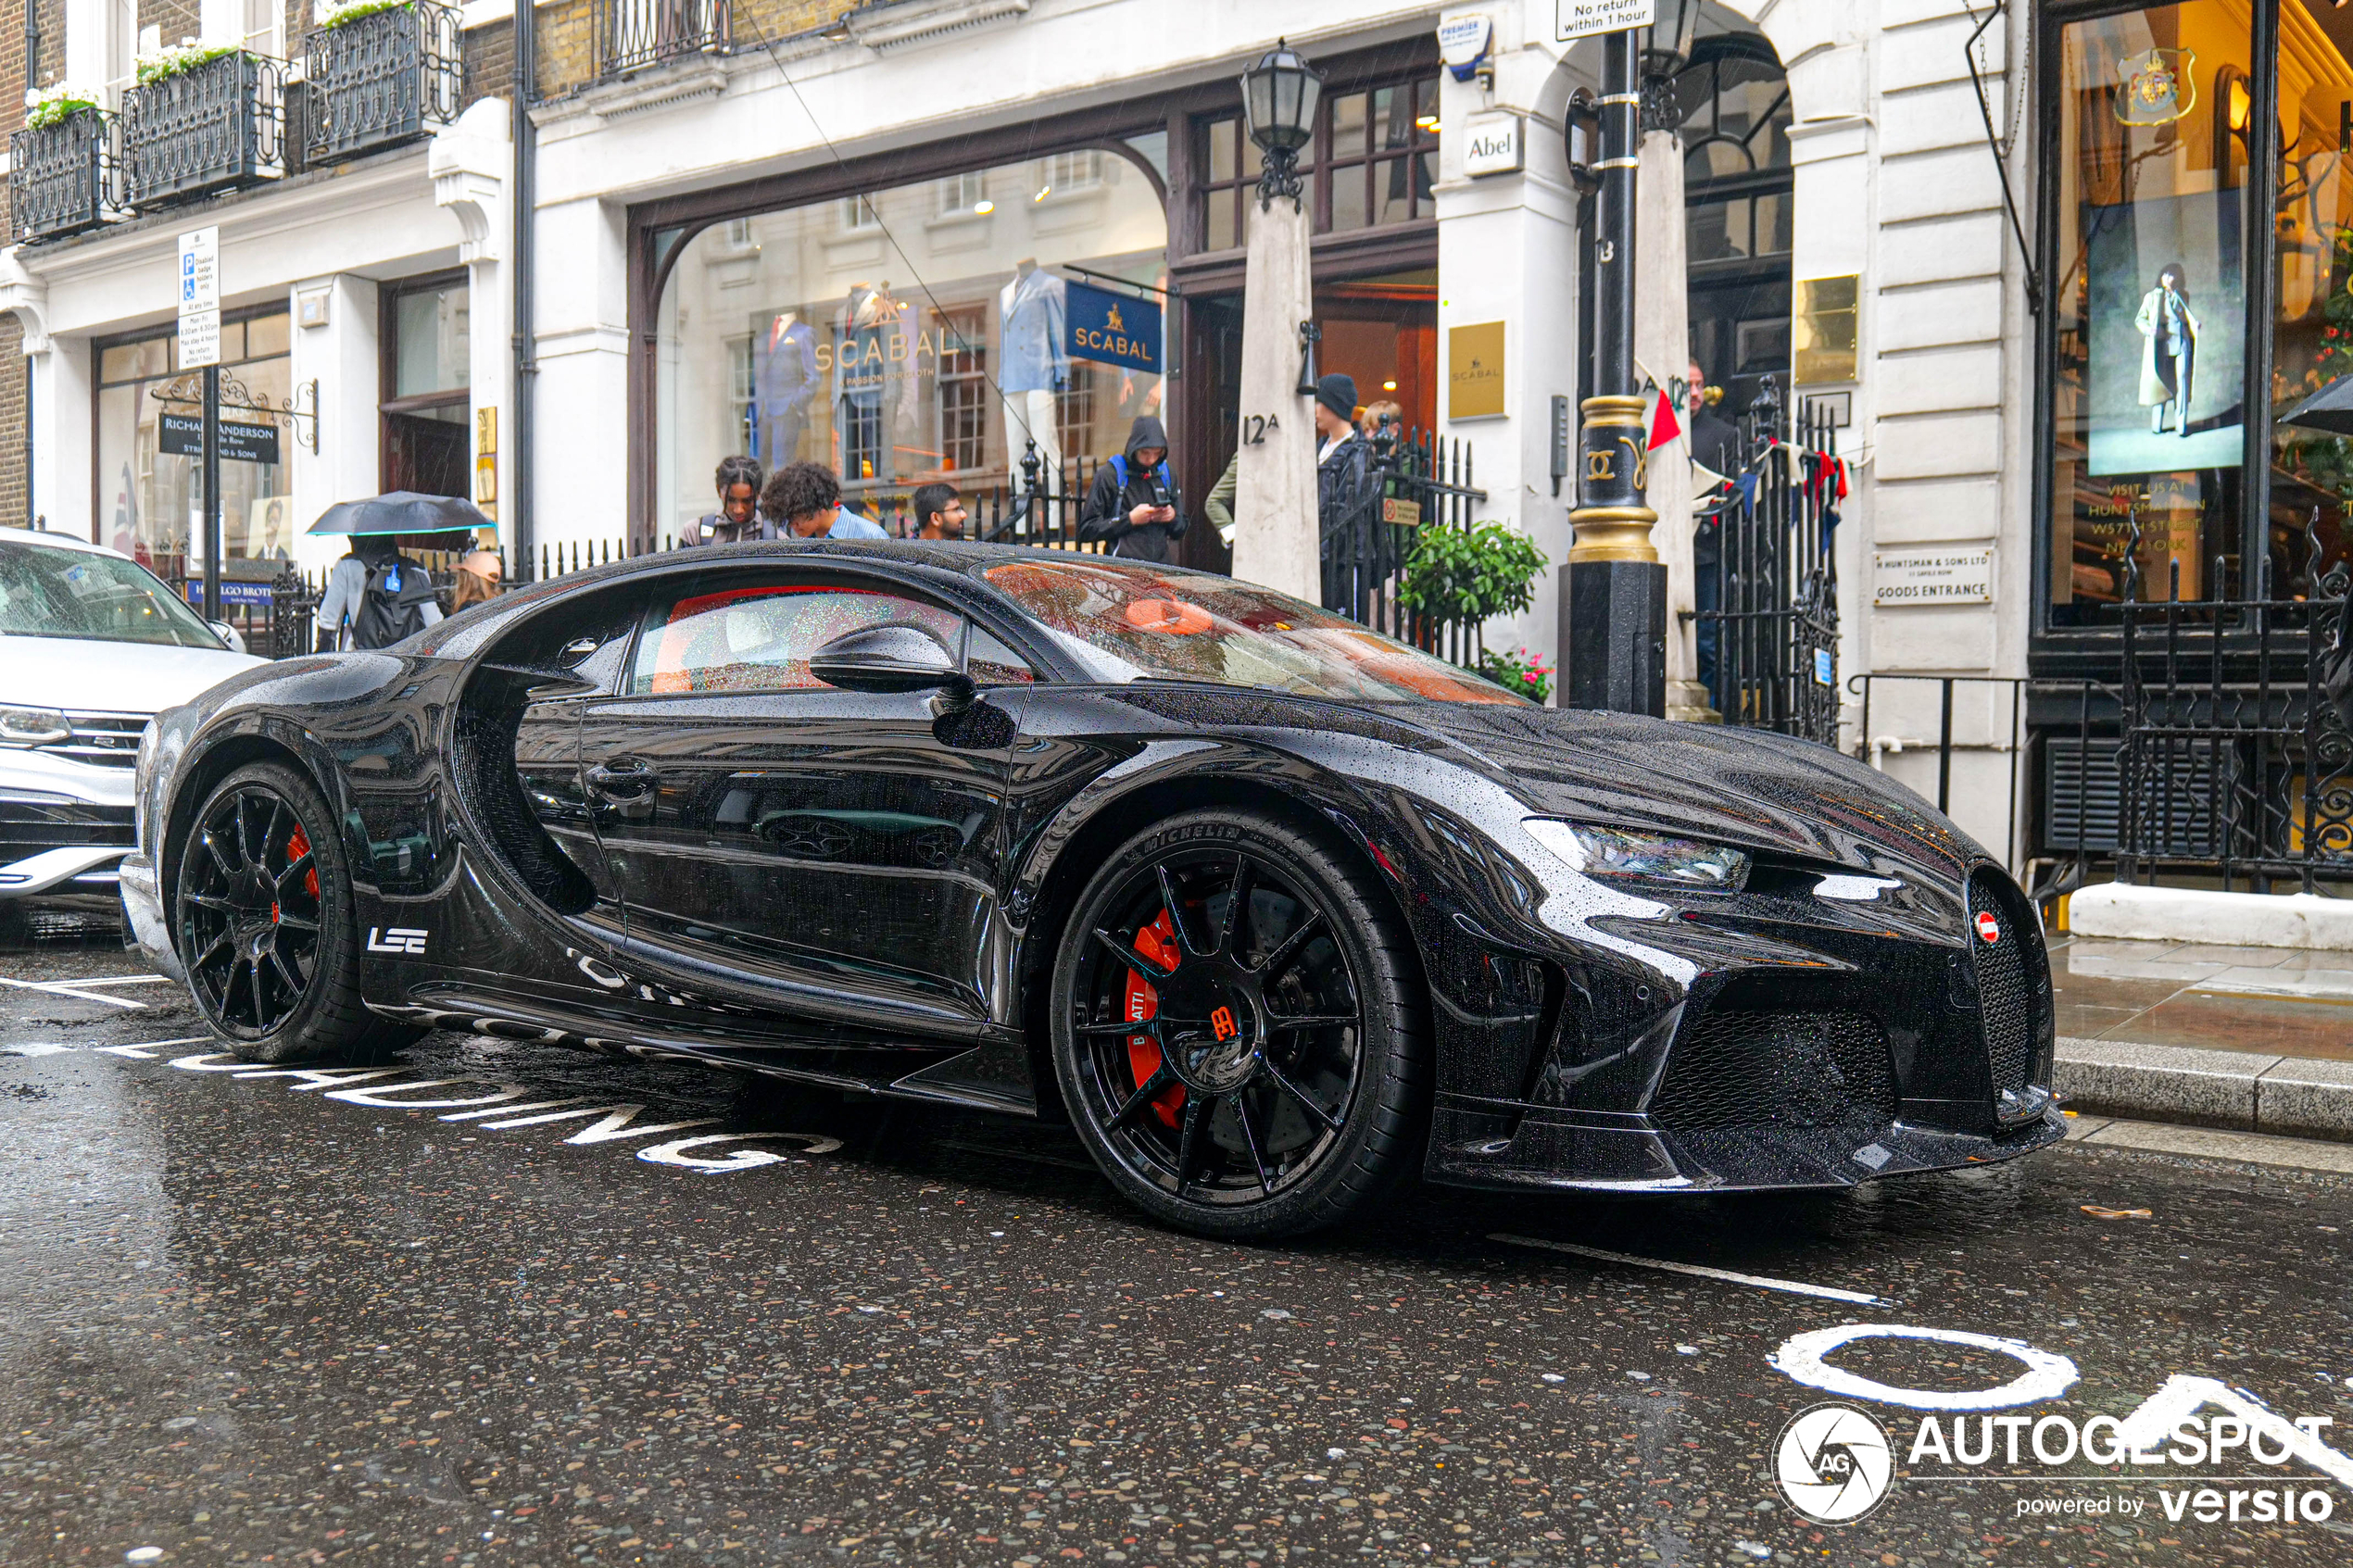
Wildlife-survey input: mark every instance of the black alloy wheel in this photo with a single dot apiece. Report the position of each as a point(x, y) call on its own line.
point(262, 918)
point(1237, 1028)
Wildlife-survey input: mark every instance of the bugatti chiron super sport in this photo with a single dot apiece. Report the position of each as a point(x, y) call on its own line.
point(1271, 908)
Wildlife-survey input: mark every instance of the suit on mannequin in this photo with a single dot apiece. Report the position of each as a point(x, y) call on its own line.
point(1033, 365)
point(784, 378)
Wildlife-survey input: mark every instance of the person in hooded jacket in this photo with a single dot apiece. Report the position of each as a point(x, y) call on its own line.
point(1133, 505)
point(1343, 484)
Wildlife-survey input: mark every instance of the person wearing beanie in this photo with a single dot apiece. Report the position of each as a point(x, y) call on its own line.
point(1343, 478)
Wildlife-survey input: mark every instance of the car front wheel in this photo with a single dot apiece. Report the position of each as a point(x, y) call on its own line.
point(262, 918)
point(1237, 1028)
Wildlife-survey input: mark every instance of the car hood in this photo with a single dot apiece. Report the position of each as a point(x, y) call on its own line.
point(90, 676)
point(1748, 787)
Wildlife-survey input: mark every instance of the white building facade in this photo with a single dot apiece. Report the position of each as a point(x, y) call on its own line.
point(820, 238)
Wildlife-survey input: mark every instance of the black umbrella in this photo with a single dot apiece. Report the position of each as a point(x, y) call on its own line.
point(2331, 408)
point(403, 511)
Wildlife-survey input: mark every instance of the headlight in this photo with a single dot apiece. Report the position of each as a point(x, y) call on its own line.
point(1641, 857)
point(32, 726)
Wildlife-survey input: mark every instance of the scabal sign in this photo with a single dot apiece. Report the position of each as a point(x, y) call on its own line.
point(1934, 577)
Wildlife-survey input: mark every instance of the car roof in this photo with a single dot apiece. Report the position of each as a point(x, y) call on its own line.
point(12, 535)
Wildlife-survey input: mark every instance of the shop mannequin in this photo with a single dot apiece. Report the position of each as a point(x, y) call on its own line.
point(1033, 366)
point(784, 378)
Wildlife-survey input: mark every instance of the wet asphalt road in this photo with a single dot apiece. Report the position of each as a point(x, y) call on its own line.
point(243, 1322)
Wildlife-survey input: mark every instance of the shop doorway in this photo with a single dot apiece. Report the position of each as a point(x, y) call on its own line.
point(1381, 331)
point(426, 402)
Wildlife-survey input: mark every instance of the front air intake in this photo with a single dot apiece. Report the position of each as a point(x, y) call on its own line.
point(1775, 1069)
point(2005, 996)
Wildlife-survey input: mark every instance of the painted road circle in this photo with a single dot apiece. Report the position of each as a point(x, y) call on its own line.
point(1834, 1463)
point(1802, 1358)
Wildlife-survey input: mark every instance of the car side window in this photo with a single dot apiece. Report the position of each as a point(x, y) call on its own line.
point(759, 638)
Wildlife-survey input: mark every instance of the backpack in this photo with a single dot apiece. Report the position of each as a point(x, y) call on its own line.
point(391, 605)
point(1119, 468)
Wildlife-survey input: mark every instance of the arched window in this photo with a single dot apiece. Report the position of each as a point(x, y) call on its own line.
point(1737, 196)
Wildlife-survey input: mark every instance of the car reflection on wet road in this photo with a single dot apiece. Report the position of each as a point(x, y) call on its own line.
point(503, 1303)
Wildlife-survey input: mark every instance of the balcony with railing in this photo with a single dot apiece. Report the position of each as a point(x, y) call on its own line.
point(210, 128)
point(633, 34)
point(61, 177)
point(380, 80)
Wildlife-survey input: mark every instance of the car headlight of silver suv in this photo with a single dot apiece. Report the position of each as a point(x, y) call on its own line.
point(33, 726)
point(1618, 855)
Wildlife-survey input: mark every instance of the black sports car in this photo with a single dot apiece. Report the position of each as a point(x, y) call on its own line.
point(1271, 907)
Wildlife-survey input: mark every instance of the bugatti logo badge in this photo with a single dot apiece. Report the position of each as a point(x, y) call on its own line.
point(1834, 1463)
point(2158, 87)
point(1989, 930)
point(1222, 1021)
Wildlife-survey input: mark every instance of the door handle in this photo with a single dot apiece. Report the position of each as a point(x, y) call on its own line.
point(626, 784)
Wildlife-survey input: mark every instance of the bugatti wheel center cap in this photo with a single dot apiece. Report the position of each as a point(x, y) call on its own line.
point(1216, 1050)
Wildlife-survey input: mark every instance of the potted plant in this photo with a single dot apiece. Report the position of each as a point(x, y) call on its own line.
point(57, 164)
point(199, 117)
point(1465, 577)
point(380, 72)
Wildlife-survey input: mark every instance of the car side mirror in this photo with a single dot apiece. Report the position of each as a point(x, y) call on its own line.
point(229, 636)
point(894, 657)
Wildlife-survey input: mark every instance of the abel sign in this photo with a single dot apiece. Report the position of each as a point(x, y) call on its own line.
point(1934, 577)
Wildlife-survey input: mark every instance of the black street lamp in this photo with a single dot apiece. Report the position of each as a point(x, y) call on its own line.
point(1615, 650)
point(1666, 49)
point(1279, 94)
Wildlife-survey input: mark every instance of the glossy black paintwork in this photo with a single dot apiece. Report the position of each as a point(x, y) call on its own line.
point(867, 889)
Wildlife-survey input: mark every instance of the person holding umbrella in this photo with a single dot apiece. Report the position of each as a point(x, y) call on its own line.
point(376, 596)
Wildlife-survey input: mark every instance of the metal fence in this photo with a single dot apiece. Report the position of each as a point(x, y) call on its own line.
point(633, 34)
point(2214, 756)
point(1767, 621)
point(1417, 480)
point(380, 80)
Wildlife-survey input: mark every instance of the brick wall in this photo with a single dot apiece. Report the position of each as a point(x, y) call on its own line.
point(772, 19)
point(14, 372)
point(567, 47)
point(490, 64)
point(177, 18)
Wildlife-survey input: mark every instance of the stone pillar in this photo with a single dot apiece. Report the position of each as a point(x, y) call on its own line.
point(336, 344)
point(1274, 537)
point(1662, 348)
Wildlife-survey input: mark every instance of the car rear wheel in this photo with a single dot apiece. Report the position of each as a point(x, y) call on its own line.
point(1237, 1028)
point(262, 917)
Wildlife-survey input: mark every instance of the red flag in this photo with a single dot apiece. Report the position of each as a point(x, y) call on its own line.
point(1665, 427)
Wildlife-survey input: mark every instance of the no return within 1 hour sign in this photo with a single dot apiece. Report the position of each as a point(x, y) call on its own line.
point(1934, 577)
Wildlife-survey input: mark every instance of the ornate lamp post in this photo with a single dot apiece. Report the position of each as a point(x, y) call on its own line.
point(1275, 535)
point(1617, 609)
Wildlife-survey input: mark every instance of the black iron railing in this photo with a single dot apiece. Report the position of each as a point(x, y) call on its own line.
point(1416, 480)
point(217, 126)
point(633, 34)
point(387, 78)
point(1767, 623)
point(61, 177)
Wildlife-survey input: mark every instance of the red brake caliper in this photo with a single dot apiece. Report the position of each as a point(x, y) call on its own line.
point(1157, 942)
point(296, 847)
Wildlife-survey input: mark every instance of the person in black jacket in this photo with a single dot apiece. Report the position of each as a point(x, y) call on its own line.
point(1133, 505)
point(1344, 480)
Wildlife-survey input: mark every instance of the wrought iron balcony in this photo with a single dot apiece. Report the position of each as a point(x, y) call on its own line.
point(61, 177)
point(382, 79)
point(633, 34)
point(217, 126)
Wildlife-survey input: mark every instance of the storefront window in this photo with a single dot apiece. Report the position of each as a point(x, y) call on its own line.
point(2312, 325)
point(908, 335)
point(149, 481)
point(2150, 308)
point(1372, 162)
point(427, 374)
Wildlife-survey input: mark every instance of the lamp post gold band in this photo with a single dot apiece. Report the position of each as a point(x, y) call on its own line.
point(1610, 521)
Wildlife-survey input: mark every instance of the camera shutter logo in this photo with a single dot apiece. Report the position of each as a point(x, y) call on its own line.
point(1834, 1463)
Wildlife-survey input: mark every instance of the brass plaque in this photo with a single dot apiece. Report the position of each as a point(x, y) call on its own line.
point(1822, 339)
point(1405, 514)
point(1475, 371)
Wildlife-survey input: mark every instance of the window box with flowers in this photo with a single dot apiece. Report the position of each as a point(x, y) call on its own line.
point(380, 72)
point(60, 165)
point(198, 121)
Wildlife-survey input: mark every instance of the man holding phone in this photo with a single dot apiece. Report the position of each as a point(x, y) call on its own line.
point(1133, 505)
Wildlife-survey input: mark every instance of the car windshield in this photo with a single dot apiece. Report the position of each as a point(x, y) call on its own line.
point(1128, 622)
point(46, 592)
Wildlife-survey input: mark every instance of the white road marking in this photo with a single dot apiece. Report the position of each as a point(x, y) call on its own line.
point(1802, 1357)
point(83, 990)
point(1762, 1282)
